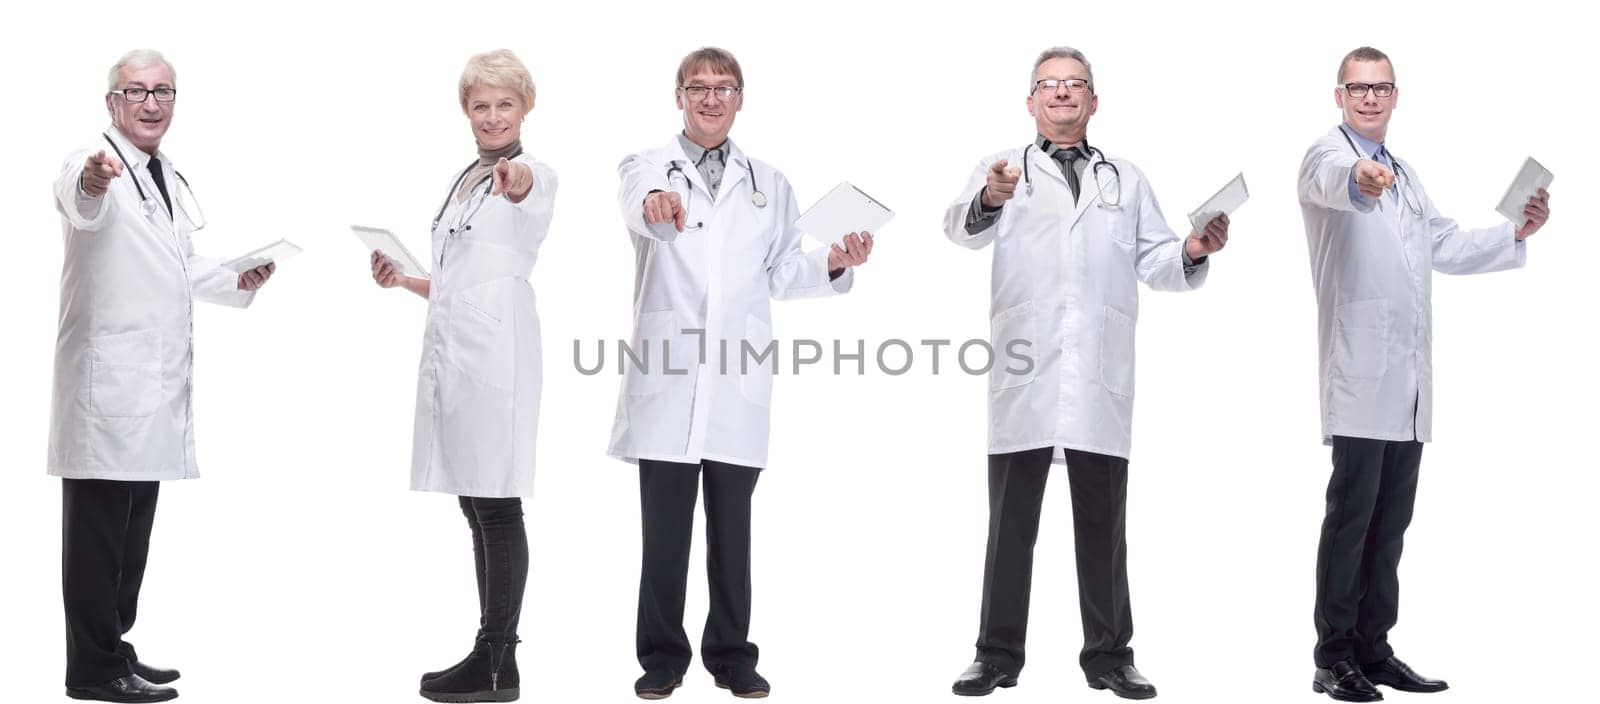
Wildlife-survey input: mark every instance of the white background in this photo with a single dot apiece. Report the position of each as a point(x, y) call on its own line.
point(301, 569)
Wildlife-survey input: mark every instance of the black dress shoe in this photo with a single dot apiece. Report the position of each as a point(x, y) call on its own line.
point(1345, 683)
point(153, 674)
point(981, 678)
point(1126, 682)
point(657, 684)
point(1398, 675)
point(132, 688)
point(744, 682)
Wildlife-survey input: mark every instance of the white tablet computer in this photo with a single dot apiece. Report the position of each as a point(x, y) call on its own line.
point(1530, 178)
point(844, 210)
point(275, 252)
point(1224, 202)
point(381, 240)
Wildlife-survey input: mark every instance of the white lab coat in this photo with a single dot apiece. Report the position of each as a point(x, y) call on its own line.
point(719, 278)
point(1065, 279)
point(120, 407)
point(478, 388)
point(1372, 264)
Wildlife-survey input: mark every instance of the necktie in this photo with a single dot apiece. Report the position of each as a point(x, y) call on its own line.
point(160, 178)
point(711, 167)
point(1066, 158)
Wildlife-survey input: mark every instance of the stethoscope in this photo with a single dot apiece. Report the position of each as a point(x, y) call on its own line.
point(1116, 175)
point(148, 203)
point(1400, 172)
point(757, 198)
point(464, 221)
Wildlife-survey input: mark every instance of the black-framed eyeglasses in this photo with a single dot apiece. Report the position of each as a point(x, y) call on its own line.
point(1359, 90)
point(1054, 85)
point(700, 92)
point(139, 95)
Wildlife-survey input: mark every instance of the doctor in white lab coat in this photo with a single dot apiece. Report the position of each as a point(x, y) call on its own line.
point(1375, 240)
point(478, 388)
point(1073, 233)
point(121, 417)
point(714, 241)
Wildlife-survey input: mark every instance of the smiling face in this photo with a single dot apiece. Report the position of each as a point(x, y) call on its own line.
point(144, 124)
point(707, 120)
point(496, 114)
point(1368, 115)
point(1062, 116)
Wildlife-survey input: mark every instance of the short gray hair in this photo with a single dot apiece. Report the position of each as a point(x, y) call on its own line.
point(137, 59)
point(1061, 52)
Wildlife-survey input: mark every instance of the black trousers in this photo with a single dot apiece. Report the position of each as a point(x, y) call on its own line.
point(105, 544)
point(500, 550)
point(1370, 497)
point(667, 492)
point(1099, 512)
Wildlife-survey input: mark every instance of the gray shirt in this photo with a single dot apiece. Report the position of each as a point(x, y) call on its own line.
point(709, 162)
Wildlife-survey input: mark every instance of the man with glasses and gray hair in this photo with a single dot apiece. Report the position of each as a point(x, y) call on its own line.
point(1073, 232)
point(1375, 240)
point(121, 416)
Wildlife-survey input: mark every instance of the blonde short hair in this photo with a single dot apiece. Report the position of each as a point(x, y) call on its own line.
point(497, 69)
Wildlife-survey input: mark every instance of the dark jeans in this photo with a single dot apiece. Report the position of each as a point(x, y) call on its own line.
point(667, 492)
point(1370, 497)
point(1099, 510)
point(105, 543)
point(500, 548)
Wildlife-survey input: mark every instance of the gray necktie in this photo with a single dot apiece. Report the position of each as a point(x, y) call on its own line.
point(1066, 158)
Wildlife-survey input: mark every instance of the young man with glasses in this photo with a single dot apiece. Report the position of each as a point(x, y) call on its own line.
point(1073, 233)
point(1375, 240)
point(714, 241)
point(121, 416)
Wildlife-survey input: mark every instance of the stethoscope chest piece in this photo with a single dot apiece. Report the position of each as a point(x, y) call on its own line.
point(759, 198)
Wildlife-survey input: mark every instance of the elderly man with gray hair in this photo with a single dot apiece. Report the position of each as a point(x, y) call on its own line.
point(121, 417)
point(1073, 232)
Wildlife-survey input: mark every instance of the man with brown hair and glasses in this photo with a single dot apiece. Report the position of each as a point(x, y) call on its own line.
point(1375, 240)
point(715, 242)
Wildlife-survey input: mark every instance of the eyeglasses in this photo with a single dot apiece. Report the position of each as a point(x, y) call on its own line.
point(1359, 90)
point(1054, 85)
point(139, 95)
point(699, 92)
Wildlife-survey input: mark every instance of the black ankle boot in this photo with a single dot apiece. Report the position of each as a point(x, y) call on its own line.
point(489, 674)
point(436, 675)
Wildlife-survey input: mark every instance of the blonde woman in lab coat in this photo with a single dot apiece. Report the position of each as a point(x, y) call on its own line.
point(478, 389)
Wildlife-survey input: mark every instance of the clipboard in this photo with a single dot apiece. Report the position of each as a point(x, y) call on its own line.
point(1530, 178)
point(1227, 200)
point(844, 210)
point(378, 239)
point(275, 252)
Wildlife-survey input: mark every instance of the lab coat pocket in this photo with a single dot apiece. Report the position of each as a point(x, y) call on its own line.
point(755, 379)
point(1013, 325)
point(644, 369)
point(125, 373)
point(1116, 352)
point(1361, 339)
point(480, 334)
point(1119, 224)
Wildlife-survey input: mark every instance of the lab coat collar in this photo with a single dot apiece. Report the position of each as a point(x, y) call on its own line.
point(134, 156)
point(737, 166)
